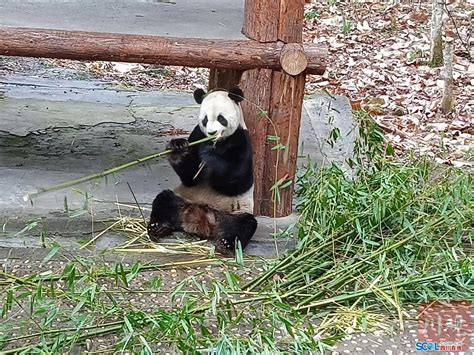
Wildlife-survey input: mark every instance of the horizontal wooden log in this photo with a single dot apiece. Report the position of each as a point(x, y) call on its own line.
point(190, 52)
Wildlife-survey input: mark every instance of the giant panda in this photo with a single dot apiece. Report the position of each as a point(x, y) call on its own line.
point(215, 198)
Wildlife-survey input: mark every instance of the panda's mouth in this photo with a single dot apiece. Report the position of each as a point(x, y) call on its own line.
point(216, 135)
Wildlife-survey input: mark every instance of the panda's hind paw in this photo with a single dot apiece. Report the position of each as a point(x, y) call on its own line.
point(225, 247)
point(158, 230)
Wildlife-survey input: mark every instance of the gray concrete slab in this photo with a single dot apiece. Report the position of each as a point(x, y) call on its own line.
point(41, 103)
point(37, 115)
point(54, 130)
point(179, 18)
point(328, 131)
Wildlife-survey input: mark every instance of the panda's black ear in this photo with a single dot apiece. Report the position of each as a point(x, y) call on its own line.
point(236, 94)
point(199, 95)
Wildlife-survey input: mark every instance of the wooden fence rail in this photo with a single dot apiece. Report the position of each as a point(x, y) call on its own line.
point(190, 52)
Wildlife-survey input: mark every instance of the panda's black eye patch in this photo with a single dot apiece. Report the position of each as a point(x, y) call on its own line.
point(222, 120)
point(204, 121)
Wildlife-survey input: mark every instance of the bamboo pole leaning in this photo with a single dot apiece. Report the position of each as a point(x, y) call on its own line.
point(42, 190)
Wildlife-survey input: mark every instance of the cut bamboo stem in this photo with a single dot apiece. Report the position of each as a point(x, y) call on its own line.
point(66, 184)
point(352, 295)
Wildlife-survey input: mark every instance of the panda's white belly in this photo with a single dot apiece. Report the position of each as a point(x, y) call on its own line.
point(204, 194)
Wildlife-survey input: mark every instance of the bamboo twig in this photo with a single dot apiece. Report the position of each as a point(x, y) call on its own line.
point(136, 201)
point(90, 241)
point(98, 331)
point(464, 43)
point(63, 185)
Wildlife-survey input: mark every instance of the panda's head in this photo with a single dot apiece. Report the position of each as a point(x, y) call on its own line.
point(220, 112)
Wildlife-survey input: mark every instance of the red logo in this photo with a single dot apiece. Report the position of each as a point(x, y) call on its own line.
point(448, 324)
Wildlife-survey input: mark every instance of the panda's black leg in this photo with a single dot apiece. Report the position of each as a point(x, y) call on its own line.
point(235, 227)
point(164, 215)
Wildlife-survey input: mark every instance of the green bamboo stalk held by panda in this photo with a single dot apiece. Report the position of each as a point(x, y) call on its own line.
point(66, 184)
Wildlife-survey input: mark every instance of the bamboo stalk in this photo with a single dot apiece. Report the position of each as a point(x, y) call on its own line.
point(63, 185)
point(351, 268)
point(90, 241)
point(286, 262)
point(71, 337)
point(348, 296)
point(28, 280)
point(162, 250)
point(62, 330)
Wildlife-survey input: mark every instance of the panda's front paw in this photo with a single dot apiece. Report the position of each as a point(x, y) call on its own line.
point(225, 247)
point(178, 145)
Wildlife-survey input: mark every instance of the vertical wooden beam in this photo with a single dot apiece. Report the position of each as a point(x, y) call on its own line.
point(256, 85)
point(224, 78)
point(285, 111)
point(261, 20)
point(290, 25)
point(279, 95)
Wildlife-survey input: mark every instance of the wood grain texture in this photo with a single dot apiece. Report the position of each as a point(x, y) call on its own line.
point(280, 95)
point(293, 59)
point(285, 112)
point(224, 78)
point(290, 25)
point(261, 20)
point(191, 52)
point(256, 85)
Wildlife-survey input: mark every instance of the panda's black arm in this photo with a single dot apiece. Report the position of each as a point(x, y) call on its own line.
point(187, 164)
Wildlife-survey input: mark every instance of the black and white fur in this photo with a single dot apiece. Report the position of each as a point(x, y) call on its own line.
point(215, 198)
point(172, 213)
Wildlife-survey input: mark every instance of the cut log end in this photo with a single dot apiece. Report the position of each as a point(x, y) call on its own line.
point(293, 59)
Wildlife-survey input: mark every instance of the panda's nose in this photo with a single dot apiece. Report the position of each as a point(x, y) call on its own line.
point(212, 133)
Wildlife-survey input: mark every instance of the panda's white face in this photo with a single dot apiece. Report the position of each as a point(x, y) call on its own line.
point(220, 115)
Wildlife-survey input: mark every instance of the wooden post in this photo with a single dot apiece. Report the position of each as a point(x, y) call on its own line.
point(280, 97)
point(224, 78)
point(257, 85)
